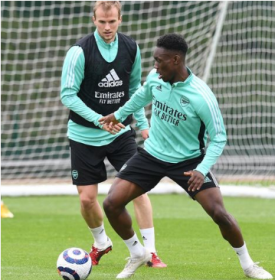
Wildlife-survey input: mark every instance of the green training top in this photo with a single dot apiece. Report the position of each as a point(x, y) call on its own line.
point(72, 76)
point(181, 115)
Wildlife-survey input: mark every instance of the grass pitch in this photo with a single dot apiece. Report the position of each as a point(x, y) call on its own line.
point(186, 238)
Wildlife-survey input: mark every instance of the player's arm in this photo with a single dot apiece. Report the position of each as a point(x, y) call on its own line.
point(140, 99)
point(71, 79)
point(211, 116)
point(135, 84)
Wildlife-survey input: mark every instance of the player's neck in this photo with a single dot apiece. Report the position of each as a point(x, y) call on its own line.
point(183, 74)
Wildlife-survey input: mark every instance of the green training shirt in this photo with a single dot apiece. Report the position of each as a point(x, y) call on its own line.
point(72, 76)
point(182, 113)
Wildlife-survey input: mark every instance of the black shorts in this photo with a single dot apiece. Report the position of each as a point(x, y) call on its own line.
point(146, 171)
point(87, 162)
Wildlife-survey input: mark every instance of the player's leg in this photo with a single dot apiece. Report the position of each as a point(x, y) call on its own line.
point(212, 202)
point(88, 169)
point(93, 216)
point(143, 212)
point(120, 194)
point(210, 198)
point(139, 171)
point(144, 216)
point(120, 151)
point(89, 206)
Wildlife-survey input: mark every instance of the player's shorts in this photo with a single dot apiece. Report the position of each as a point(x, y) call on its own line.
point(146, 171)
point(87, 162)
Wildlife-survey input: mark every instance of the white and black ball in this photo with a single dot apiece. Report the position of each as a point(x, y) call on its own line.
point(74, 264)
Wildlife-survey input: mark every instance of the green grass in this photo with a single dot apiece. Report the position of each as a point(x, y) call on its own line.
point(186, 238)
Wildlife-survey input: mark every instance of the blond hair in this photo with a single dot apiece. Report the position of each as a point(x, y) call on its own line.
point(106, 5)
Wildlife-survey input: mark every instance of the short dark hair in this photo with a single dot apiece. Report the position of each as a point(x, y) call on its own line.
point(173, 42)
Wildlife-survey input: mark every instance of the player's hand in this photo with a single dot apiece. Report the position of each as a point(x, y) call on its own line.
point(113, 128)
point(145, 133)
point(108, 119)
point(196, 180)
point(111, 124)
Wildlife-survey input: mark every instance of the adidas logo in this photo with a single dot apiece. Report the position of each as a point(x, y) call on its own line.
point(111, 80)
point(159, 88)
point(123, 167)
point(207, 180)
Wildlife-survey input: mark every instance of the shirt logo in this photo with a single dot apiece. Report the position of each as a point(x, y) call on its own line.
point(159, 88)
point(111, 80)
point(184, 101)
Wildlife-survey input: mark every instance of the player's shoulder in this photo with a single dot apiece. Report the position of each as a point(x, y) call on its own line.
point(152, 72)
point(129, 43)
point(84, 39)
point(153, 80)
point(201, 92)
point(74, 52)
point(126, 37)
point(200, 85)
point(153, 75)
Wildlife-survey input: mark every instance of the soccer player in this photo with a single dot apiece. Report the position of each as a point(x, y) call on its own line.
point(100, 73)
point(183, 110)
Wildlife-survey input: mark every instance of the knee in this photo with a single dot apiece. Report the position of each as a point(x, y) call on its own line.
point(109, 206)
point(113, 206)
point(142, 200)
point(221, 217)
point(87, 202)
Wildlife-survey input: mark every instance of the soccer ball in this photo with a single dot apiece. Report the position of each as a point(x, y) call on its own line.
point(74, 264)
